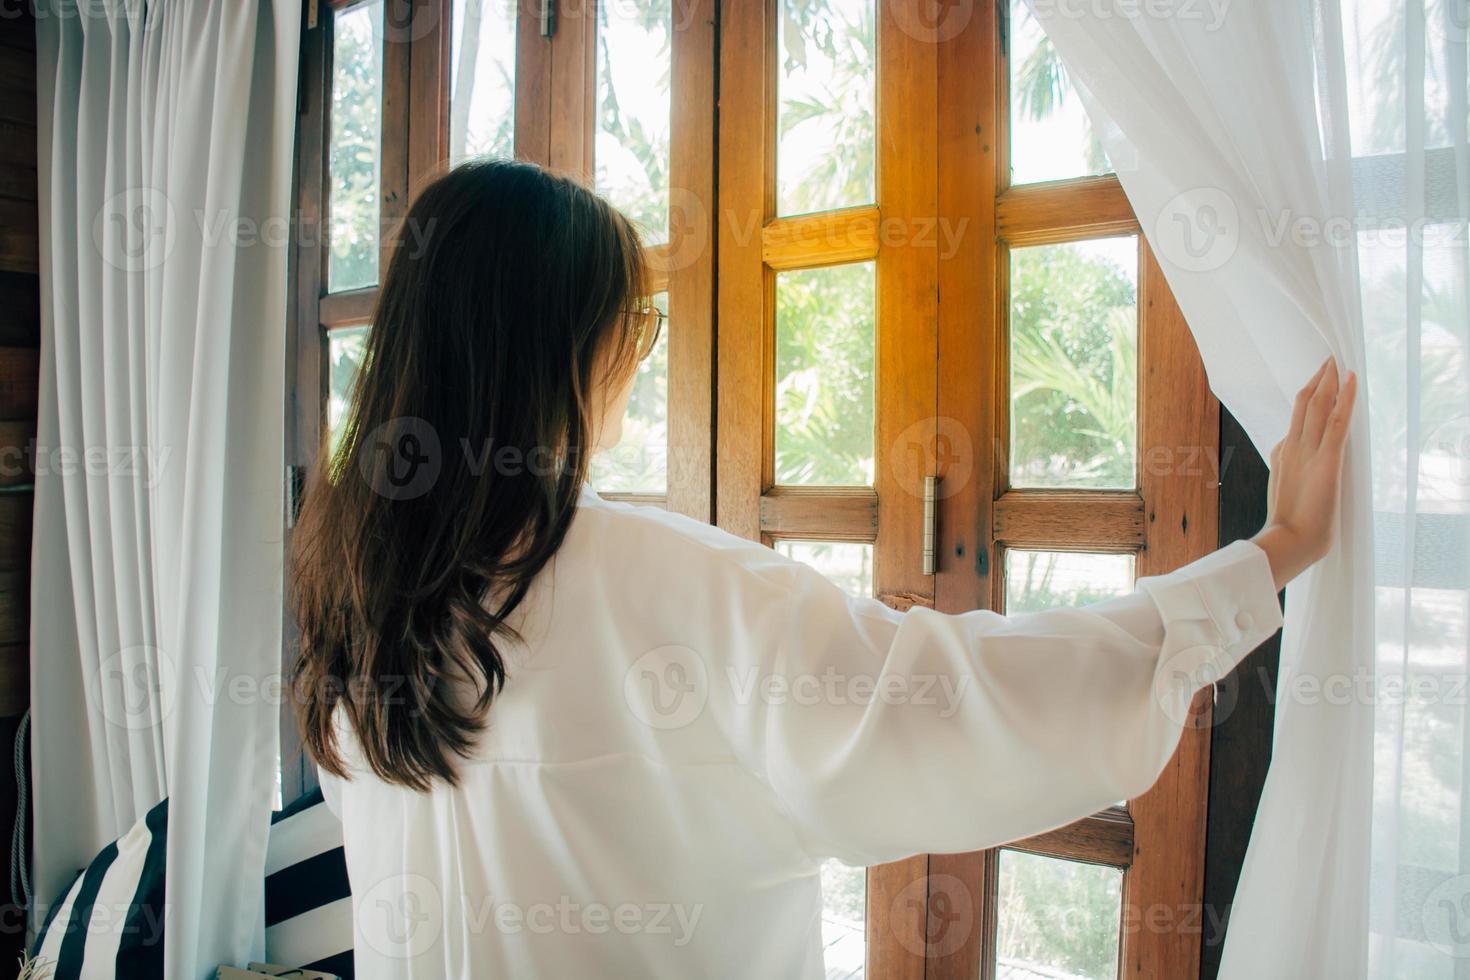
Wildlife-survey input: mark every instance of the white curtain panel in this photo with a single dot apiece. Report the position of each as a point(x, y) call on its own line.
point(1301, 169)
point(166, 134)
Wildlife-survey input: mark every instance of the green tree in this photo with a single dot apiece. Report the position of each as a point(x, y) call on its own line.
point(1074, 369)
point(1059, 914)
point(486, 132)
point(353, 156)
point(837, 107)
point(643, 197)
point(1040, 86)
point(1032, 582)
point(345, 348)
point(640, 462)
point(824, 376)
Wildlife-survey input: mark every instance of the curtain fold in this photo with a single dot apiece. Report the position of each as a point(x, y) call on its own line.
point(166, 135)
point(1300, 168)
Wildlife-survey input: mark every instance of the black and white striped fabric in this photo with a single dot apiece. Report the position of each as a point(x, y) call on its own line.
point(110, 921)
point(308, 902)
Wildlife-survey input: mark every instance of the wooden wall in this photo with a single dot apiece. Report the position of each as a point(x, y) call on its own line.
point(19, 355)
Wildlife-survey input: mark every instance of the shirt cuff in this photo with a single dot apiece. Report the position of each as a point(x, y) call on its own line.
point(1218, 609)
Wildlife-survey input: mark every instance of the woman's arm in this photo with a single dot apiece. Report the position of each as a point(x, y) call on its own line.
point(886, 734)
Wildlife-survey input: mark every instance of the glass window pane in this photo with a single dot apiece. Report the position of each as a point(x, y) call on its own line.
point(345, 347)
point(1057, 918)
point(844, 929)
point(824, 376)
point(353, 156)
point(482, 77)
point(1051, 137)
point(1074, 364)
point(633, 110)
point(1038, 580)
point(639, 463)
point(826, 147)
point(848, 564)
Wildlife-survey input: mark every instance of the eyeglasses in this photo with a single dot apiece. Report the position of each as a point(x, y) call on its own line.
point(647, 323)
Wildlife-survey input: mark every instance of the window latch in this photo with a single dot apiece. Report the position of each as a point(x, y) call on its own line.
point(548, 18)
point(931, 487)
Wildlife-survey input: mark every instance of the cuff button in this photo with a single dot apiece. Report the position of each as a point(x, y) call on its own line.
point(1244, 621)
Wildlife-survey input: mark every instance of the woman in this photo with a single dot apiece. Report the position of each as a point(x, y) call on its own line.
point(574, 738)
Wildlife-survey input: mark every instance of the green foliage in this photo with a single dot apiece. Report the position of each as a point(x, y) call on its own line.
point(844, 891)
point(846, 564)
point(837, 107)
point(640, 462)
point(1059, 914)
point(1074, 370)
point(824, 376)
point(345, 349)
point(489, 131)
point(353, 157)
point(1033, 583)
point(644, 198)
point(1040, 86)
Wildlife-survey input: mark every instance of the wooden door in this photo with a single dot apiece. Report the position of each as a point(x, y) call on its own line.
point(915, 339)
point(828, 330)
point(1067, 369)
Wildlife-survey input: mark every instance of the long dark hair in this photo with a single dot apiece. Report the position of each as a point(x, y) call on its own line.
point(512, 297)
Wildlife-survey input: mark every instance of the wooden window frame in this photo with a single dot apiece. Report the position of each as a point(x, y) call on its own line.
point(563, 139)
point(413, 140)
point(933, 158)
point(954, 163)
point(888, 514)
point(1171, 519)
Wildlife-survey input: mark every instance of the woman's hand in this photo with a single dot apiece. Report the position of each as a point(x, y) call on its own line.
point(1306, 476)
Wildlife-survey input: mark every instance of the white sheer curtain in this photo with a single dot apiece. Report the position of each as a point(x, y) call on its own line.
point(166, 136)
point(1302, 171)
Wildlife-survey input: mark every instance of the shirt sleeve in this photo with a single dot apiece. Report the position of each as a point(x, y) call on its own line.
point(884, 734)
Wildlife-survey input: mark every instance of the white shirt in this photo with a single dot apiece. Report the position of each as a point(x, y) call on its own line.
point(693, 723)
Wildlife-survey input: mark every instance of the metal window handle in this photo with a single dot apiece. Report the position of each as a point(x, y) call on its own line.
point(931, 486)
